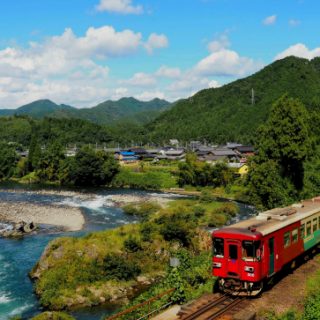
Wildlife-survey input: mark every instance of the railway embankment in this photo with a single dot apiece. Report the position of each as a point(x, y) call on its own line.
point(290, 293)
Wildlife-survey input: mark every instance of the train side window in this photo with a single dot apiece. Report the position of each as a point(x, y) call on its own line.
point(315, 224)
point(218, 247)
point(251, 250)
point(287, 239)
point(308, 233)
point(294, 235)
point(302, 231)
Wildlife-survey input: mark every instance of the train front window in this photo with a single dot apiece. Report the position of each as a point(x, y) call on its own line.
point(251, 250)
point(233, 251)
point(218, 247)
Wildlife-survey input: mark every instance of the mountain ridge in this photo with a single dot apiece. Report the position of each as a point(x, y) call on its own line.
point(228, 114)
point(107, 112)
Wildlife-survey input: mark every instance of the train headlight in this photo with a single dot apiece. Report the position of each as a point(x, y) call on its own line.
point(217, 264)
point(249, 269)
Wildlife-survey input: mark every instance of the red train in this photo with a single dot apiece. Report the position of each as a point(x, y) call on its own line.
point(249, 253)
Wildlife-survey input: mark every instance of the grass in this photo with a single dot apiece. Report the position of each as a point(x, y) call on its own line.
point(85, 270)
point(210, 214)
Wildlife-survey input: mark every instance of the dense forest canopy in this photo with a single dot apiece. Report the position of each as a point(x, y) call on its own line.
point(228, 114)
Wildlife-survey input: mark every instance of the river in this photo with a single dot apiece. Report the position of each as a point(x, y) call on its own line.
point(17, 257)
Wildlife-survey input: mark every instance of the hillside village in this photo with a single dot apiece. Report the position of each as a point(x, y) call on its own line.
point(235, 155)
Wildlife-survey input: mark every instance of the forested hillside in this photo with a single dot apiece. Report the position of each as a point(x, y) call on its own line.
point(105, 113)
point(20, 129)
point(228, 114)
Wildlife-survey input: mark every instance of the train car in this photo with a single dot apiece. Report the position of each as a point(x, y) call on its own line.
point(249, 253)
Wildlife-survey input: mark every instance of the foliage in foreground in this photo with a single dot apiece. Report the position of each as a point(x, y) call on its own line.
point(103, 264)
point(285, 146)
point(190, 279)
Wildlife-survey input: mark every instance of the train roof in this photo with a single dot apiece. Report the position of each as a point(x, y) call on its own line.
point(241, 232)
point(272, 220)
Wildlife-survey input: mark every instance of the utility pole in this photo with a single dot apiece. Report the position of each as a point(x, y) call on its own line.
point(252, 97)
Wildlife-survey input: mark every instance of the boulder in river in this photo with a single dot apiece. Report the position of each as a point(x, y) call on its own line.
point(19, 230)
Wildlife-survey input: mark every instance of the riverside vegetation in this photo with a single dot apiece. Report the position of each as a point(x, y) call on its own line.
point(115, 265)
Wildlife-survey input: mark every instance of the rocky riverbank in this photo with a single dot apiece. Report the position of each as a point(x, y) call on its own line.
point(70, 219)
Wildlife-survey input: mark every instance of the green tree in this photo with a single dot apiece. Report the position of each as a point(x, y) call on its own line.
point(50, 162)
point(34, 151)
point(22, 167)
point(277, 173)
point(8, 159)
point(94, 168)
point(221, 174)
point(186, 174)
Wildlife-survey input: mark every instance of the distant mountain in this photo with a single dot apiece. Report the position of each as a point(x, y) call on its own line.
point(125, 109)
point(38, 109)
point(233, 112)
point(108, 112)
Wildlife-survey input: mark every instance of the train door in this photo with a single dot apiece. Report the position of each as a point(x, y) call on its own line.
point(234, 256)
point(271, 256)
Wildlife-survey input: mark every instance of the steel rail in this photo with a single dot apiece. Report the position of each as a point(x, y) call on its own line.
point(205, 308)
point(225, 309)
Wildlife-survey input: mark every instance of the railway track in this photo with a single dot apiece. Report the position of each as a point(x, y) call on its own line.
point(211, 307)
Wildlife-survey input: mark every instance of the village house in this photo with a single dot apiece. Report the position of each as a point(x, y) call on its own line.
point(126, 157)
point(171, 154)
point(215, 155)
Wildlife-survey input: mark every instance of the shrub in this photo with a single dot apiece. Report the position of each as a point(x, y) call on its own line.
point(312, 308)
point(146, 230)
point(217, 220)
point(143, 210)
point(229, 208)
point(206, 196)
point(130, 209)
point(132, 244)
point(199, 211)
point(176, 230)
point(118, 267)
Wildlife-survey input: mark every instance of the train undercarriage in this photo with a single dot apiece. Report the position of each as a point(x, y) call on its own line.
point(237, 287)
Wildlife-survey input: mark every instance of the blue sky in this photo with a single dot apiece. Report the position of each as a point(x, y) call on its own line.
point(82, 52)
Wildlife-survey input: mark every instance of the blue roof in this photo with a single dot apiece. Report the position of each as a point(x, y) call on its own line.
point(126, 153)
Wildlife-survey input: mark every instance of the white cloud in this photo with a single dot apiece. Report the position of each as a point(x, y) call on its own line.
point(98, 42)
point(140, 79)
point(120, 93)
point(294, 22)
point(149, 95)
point(68, 68)
point(119, 6)
point(221, 43)
point(167, 72)
point(156, 41)
point(226, 63)
point(214, 84)
point(299, 50)
point(270, 20)
point(190, 82)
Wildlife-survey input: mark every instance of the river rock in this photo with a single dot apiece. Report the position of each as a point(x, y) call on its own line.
point(19, 230)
